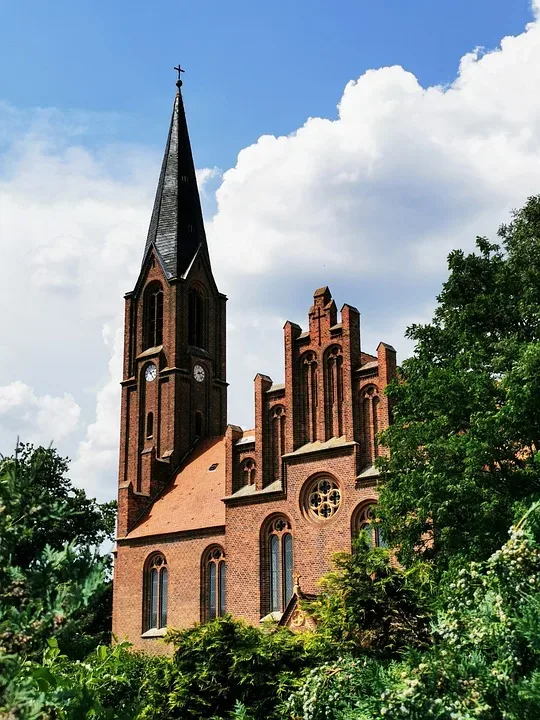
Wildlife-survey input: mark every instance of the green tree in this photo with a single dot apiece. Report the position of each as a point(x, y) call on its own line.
point(485, 659)
point(50, 569)
point(464, 444)
point(370, 605)
point(53, 514)
point(54, 511)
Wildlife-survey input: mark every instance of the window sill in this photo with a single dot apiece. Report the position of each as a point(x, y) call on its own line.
point(154, 633)
point(274, 616)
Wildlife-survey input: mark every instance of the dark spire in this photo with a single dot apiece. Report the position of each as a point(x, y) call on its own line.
point(176, 227)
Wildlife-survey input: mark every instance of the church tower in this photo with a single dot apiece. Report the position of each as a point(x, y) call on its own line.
point(174, 389)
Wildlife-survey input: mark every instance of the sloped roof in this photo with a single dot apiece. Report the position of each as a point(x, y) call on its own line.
point(317, 445)
point(192, 501)
point(294, 618)
point(176, 226)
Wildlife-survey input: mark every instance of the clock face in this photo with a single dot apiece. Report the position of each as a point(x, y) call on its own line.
point(150, 373)
point(198, 373)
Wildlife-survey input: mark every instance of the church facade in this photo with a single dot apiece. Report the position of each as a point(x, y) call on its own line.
point(213, 518)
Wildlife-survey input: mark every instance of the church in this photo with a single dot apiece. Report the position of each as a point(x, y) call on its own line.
point(213, 518)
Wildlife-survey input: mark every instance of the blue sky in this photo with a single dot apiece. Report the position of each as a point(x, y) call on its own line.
point(348, 144)
point(253, 67)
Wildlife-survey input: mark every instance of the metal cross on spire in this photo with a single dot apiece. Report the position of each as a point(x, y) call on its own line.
point(179, 69)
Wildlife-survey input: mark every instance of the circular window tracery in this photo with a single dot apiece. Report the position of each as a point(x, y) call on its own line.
point(323, 498)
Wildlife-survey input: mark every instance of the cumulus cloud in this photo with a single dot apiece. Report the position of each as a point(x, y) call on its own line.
point(97, 453)
point(404, 173)
point(369, 203)
point(40, 419)
point(372, 202)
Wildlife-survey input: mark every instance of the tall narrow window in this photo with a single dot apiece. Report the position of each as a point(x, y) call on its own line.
point(375, 413)
point(309, 396)
point(163, 579)
point(212, 594)
point(214, 583)
point(278, 564)
point(277, 424)
point(370, 421)
point(155, 593)
point(364, 519)
point(153, 316)
point(334, 392)
point(150, 425)
point(248, 471)
point(222, 576)
point(287, 550)
point(196, 319)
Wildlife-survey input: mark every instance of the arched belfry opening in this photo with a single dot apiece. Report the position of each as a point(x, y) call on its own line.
point(153, 315)
point(197, 330)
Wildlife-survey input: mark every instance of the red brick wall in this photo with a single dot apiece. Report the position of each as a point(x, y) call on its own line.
point(184, 595)
point(315, 542)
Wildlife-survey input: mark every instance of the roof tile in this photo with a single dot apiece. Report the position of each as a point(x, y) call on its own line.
point(193, 499)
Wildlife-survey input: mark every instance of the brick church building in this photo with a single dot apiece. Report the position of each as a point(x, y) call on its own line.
point(213, 518)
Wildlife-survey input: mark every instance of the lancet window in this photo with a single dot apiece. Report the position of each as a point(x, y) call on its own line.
point(334, 391)
point(308, 369)
point(155, 592)
point(153, 316)
point(214, 571)
point(247, 472)
point(277, 426)
point(277, 548)
point(196, 319)
point(149, 425)
point(370, 421)
point(198, 424)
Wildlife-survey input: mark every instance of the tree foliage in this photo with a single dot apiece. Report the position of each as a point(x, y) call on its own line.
point(485, 659)
point(226, 661)
point(43, 585)
point(369, 604)
point(483, 662)
point(463, 448)
point(52, 512)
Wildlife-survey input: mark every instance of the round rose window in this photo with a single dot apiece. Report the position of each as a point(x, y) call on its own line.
point(323, 498)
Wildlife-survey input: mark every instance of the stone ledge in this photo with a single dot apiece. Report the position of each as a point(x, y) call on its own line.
point(154, 633)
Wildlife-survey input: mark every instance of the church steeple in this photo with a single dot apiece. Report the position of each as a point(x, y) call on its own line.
point(174, 391)
point(176, 227)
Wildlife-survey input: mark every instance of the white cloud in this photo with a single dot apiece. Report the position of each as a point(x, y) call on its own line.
point(369, 203)
point(403, 173)
point(97, 454)
point(72, 232)
point(40, 419)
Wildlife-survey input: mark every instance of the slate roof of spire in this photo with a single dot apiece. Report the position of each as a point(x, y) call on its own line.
point(176, 227)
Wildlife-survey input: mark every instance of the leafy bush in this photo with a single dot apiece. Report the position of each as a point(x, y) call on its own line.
point(332, 690)
point(370, 604)
point(227, 661)
point(485, 662)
